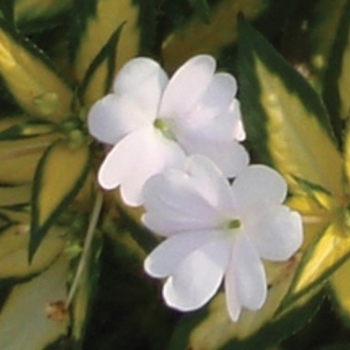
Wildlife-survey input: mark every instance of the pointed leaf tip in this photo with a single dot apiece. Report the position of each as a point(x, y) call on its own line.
point(60, 174)
point(284, 117)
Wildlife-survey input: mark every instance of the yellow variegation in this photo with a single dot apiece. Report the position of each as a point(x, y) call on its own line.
point(14, 195)
point(287, 119)
point(330, 250)
point(59, 177)
point(14, 251)
point(33, 317)
point(347, 158)
point(340, 285)
point(216, 330)
point(20, 158)
point(29, 10)
point(35, 86)
point(300, 146)
point(16, 216)
point(315, 217)
point(100, 26)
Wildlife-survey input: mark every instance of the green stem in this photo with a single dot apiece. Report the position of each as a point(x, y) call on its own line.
point(86, 248)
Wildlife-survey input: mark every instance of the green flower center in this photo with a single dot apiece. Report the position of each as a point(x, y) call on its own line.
point(234, 224)
point(163, 127)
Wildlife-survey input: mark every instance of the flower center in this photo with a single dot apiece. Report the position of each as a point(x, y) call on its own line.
point(164, 128)
point(234, 224)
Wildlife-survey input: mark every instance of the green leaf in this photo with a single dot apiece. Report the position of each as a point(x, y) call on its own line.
point(220, 32)
point(14, 251)
point(309, 37)
point(340, 291)
point(59, 177)
point(16, 215)
point(20, 158)
point(36, 15)
point(107, 55)
point(14, 195)
point(337, 82)
point(285, 120)
point(7, 10)
point(202, 7)
point(213, 329)
point(325, 255)
point(347, 157)
point(320, 195)
point(26, 129)
point(201, 332)
point(32, 316)
point(33, 84)
point(96, 21)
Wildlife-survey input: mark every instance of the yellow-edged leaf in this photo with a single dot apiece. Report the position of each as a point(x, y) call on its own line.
point(315, 217)
point(340, 285)
point(20, 158)
point(208, 36)
point(15, 195)
point(328, 252)
point(14, 251)
point(32, 317)
point(212, 329)
point(299, 145)
point(250, 321)
point(337, 82)
point(108, 16)
point(32, 10)
point(16, 216)
point(344, 84)
point(59, 177)
point(347, 157)
point(285, 119)
point(35, 86)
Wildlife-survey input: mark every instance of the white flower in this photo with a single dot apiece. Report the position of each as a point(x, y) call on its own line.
point(216, 231)
point(154, 123)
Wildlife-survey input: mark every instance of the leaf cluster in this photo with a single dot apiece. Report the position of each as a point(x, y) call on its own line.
point(56, 59)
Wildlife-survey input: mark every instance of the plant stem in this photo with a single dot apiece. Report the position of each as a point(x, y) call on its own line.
point(86, 248)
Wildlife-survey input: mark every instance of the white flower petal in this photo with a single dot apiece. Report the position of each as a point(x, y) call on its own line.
point(227, 154)
point(135, 159)
point(258, 185)
point(175, 217)
point(198, 277)
point(112, 118)
point(186, 86)
point(184, 200)
point(211, 183)
point(215, 100)
point(245, 278)
point(277, 233)
point(166, 258)
point(233, 303)
point(209, 124)
point(143, 81)
point(239, 133)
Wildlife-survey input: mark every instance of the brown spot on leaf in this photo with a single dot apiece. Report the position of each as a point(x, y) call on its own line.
point(56, 311)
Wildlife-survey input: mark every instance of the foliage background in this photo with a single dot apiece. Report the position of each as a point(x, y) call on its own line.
point(56, 59)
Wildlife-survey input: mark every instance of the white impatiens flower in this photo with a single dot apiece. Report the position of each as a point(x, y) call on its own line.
point(218, 231)
point(153, 122)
